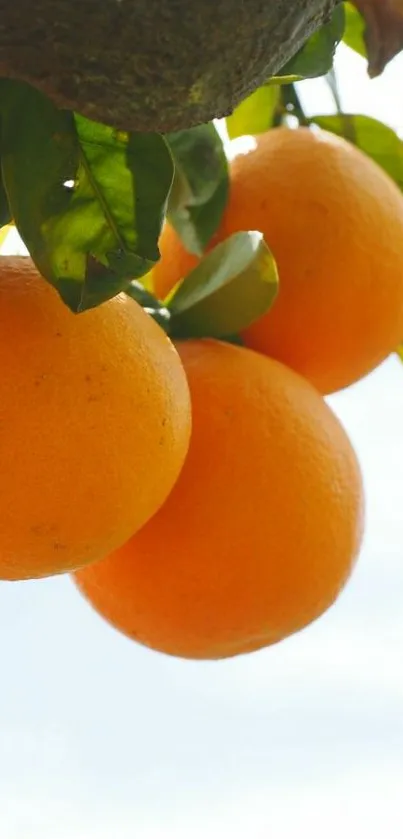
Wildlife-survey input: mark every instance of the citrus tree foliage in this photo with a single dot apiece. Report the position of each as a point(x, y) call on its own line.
point(89, 201)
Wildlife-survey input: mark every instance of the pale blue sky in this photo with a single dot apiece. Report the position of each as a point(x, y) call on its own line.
point(103, 739)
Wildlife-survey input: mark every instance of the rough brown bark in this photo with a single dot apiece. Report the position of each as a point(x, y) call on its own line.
point(152, 64)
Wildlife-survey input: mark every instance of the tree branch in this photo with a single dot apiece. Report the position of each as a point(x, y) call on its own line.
point(152, 64)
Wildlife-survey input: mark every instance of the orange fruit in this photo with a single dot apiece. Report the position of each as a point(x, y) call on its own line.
point(174, 263)
point(260, 532)
point(94, 424)
point(334, 222)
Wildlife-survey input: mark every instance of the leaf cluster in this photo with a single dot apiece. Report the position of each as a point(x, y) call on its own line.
point(89, 202)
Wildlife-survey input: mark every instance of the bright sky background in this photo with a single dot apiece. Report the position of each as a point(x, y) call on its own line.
point(102, 739)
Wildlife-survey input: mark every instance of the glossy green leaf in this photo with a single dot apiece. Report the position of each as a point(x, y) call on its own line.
point(256, 113)
point(88, 201)
point(317, 55)
point(354, 30)
point(39, 154)
point(200, 189)
point(231, 287)
point(371, 136)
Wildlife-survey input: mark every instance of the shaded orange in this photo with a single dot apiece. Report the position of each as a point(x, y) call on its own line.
point(262, 528)
point(334, 221)
point(175, 262)
point(94, 424)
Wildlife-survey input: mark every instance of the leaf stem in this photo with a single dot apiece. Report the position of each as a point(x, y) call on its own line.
point(292, 103)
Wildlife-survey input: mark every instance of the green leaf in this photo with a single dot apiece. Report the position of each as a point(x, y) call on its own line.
point(88, 201)
point(235, 339)
point(287, 79)
point(123, 184)
point(233, 285)
point(374, 138)
point(399, 352)
point(317, 55)
point(354, 30)
point(5, 215)
point(255, 114)
point(200, 188)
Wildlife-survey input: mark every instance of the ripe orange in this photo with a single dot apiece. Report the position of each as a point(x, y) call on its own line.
point(334, 221)
point(262, 528)
point(175, 262)
point(94, 424)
